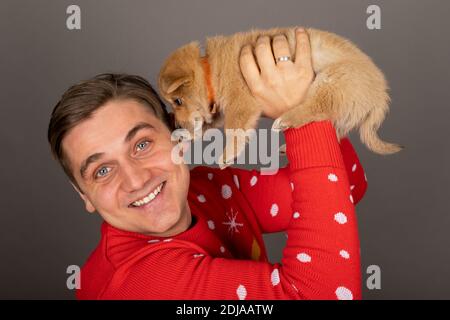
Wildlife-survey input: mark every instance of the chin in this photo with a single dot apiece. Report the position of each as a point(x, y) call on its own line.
point(168, 222)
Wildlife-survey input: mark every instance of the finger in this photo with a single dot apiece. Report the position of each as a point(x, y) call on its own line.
point(302, 49)
point(281, 48)
point(249, 67)
point(264, 55)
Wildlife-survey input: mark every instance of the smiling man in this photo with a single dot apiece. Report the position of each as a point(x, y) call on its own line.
point(174, 233)
point(123, 154)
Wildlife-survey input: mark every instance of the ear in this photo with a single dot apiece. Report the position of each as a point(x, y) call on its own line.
point(88, 204)
point(179, 68)
point(176, 83)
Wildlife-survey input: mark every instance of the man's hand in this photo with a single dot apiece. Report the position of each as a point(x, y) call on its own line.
point(281, 85)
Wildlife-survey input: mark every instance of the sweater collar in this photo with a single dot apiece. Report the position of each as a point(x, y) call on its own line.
point(119, 244)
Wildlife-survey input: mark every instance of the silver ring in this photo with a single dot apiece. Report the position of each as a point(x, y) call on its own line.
point(283, 58)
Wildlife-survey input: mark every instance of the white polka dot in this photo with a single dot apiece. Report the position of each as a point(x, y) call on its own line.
point(275, 277)
point(292, 186)
point(241, 292)
point(201, 198)
point(352, 187)
point(167, 240)
point(304, 257)
point(153, 241)
point(344, 254)
point(222, 249)
point(198, 255)
point(365, 177)
point(274, 210)
point(351, 199)
point(236, 180)
point(343, 293)
point(340, 218)
point(354, 168)
point(226, 191)
point(296, 215)
point(211, 225)
point(332, 177)
point(210, 176)
point(253, 180)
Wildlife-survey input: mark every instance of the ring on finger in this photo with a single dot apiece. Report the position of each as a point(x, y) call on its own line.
point(283, 58)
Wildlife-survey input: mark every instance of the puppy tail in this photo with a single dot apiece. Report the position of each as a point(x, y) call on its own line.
point(369, 136)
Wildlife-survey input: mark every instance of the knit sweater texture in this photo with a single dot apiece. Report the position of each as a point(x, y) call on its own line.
point(223, 256)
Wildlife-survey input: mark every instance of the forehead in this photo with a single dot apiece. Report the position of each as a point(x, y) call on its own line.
point(106, 129)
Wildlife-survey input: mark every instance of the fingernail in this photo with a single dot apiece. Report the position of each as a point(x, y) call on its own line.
point(300, 30)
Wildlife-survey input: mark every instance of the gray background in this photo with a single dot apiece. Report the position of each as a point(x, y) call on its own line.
point(404, 218)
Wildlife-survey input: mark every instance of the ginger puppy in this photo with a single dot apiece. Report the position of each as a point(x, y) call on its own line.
point(209, 91)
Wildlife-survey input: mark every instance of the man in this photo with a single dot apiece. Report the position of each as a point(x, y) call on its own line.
point(171, 233)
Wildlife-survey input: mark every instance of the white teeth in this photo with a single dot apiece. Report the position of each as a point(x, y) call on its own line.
point(150, 197)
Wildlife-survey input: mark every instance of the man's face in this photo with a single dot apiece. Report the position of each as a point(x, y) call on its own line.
point(121, 159)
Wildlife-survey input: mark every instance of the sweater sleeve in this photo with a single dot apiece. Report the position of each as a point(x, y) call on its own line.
point(320, 261)
point(270, 196)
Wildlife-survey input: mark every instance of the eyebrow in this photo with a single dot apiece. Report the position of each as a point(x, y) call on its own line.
point(96, 156)
point(136, 129)
point(86, 163)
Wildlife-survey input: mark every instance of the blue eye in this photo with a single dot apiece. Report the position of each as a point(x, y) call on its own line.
point(142, 145)
point(103, 171)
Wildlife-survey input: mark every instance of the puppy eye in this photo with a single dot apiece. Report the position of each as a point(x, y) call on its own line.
point(178, 101)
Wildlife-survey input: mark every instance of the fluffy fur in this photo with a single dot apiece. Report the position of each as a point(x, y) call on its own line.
point(349, 89)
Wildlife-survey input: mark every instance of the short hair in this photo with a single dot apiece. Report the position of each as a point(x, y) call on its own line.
point(81, 100)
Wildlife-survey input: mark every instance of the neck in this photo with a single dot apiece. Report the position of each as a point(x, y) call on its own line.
point(183, 224)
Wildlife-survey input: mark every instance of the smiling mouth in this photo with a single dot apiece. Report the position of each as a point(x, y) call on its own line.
point(148, 198)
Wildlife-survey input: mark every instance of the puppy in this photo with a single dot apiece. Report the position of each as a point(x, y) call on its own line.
point(209, 91)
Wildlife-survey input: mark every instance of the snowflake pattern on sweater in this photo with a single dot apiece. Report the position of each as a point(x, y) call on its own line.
point(222, 255)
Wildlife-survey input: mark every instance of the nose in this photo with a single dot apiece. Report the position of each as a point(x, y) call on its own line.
point(134, 175)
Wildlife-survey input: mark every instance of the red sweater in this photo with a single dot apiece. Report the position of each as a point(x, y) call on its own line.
point(222, 255)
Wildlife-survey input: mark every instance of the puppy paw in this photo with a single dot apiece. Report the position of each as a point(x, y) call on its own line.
point(223, 165)
point(282, 149)
point(223, 162)
point(281, 124)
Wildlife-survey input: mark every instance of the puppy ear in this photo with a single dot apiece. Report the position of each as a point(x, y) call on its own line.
point(176, 83)
point(171, 81)
point(179, 68)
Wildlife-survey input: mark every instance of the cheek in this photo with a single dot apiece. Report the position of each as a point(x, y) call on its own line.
point(179, 173)
point(166, 164)
point(106, 197)
point(180, 186)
